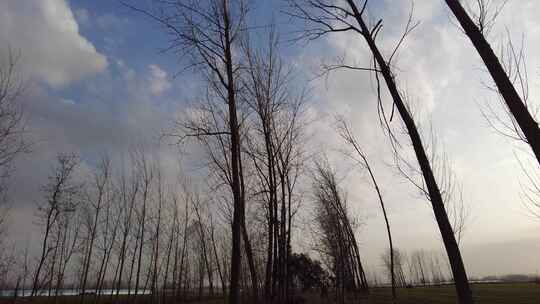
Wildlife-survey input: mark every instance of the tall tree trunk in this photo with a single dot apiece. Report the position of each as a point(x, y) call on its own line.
point(387, 222)
point(183, 255)
point(168, 260)
point(89, 252)
point(523, 117)
point(272, 201)
point(156, 250)
point(238, 213)
point(141, 245)
point(127, 228)
point(447, 233)
point(349, 137)
point(175, 257)
point(288, 279)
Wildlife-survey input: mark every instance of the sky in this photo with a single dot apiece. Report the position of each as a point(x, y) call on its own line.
point(100, 81)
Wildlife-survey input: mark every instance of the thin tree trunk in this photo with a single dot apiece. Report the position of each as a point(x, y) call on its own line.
point(127, 228)
point(184, 245)
point(381, 201)
point(44, 252)
point(247, 243)
point(168, 259)
point(141, 245)
point(222, 280)
point(90, 250)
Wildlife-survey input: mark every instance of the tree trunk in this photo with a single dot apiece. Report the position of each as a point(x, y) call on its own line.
point(447, 233)
point(44, 252)
point(523, 117)
point(238, 213)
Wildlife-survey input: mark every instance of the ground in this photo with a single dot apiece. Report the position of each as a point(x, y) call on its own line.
point(518, 293)
point(483, 294)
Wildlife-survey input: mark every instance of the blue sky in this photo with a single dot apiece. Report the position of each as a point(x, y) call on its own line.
point(131, 40)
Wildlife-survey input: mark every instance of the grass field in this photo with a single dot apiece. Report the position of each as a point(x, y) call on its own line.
point(483, 293)
point(517, 293)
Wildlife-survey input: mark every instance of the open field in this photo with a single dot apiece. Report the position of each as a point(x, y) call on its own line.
point(521, 293)
point(516, 293)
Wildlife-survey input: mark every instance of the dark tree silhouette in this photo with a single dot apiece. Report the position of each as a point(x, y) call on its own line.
point(306, 272)
point(475, 29)
point(325, 17)
point(338, 241)
point(12, 129)
point(346, 133)
point(274, 146)
point(207, 31)
point(61, 194)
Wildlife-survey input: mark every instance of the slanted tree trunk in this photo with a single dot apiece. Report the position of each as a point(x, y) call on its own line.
point(347, 135)
point(523, 117)
point(454, 255)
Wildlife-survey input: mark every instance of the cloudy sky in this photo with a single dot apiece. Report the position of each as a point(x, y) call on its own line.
point(100, 82)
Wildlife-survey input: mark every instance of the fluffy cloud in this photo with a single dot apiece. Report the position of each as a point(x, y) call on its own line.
point(123, 118)
point(444, 80)
point(437, 66)
point(47, 36)
point(158, 80)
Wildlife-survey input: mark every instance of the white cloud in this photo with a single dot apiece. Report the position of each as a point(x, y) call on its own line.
point(47, 36)
point(443, 76)
point(158, 80)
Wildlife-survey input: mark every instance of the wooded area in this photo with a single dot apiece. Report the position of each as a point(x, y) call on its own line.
point(125, 232)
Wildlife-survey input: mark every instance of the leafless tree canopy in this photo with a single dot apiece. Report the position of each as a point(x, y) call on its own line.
point(522, 123)
point(326, 17)
point(12, 129)
point(338, 241)
point(134, 228)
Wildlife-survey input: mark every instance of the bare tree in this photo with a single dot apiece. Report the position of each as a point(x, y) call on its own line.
point(12, 127)
point(207, 31)
point(203, 240)
point(419, 267)
point(129, 189)
point(216, 255)
point(183, 257)
point(101, 186)
point(531, 189)
point(70, 228)
point(501, 119)
point(400, 261)
point(161, 200)
point(273, 144)
point(450, 187)
point(147, 176)
point(345, 133)
point(326, 17)
point(60, 193)
point(112, 225)
point(12, 143)
point(475, 26)
point(12, 122)
point(336, 232)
